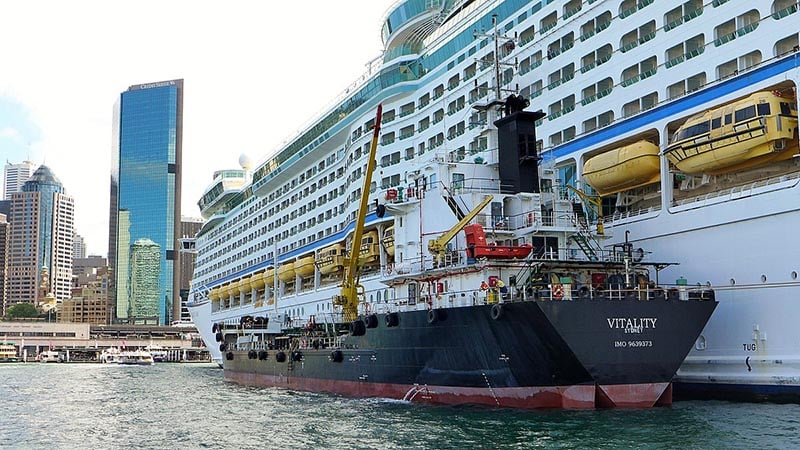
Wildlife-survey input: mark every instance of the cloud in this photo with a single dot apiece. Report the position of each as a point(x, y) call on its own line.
point(10, 133)
point(254, 72)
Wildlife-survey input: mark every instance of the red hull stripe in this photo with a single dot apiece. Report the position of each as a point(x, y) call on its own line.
point(561, 397)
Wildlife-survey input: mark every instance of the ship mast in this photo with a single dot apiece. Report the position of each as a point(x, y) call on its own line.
point(352, 290)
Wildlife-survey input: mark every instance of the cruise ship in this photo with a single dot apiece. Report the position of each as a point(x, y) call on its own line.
point(674, 124)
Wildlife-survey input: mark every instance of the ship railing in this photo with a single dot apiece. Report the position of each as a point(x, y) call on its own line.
point(736, 192)
point(549, 292)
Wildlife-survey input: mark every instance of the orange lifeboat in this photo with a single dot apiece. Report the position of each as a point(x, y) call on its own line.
point(624, 168)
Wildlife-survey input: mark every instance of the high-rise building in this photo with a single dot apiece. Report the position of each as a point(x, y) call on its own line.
point(190, 226)
point(4, 233)
point(78, 246)
point(40, 242)
point(15, 175)
point(145, 267)
point(146, 191)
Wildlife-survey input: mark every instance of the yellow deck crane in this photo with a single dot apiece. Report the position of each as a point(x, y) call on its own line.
point(352, 290)
point(437, 247)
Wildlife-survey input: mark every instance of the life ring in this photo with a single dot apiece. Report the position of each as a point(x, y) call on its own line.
point(433, 316)
point(497, 311)
point(558, 291)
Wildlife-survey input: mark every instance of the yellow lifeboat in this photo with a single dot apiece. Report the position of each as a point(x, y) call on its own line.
point(257, 281)
point(623, 168)
point(234, 288)
point(269, 276)
point(213, 294)
point(331, 259)
point(388, 240)
point(224, 291)
point(369, 252)
point(286, 272)
point(305, 266)
point(244, 285)
point(756, 130)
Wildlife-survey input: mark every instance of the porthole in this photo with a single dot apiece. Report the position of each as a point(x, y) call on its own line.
point(763, 278)
point(794, 275)
point(733, 282)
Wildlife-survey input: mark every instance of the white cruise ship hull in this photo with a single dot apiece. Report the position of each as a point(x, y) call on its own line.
point(201, 316)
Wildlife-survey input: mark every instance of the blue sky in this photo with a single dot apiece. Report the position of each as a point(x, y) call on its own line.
point(255, 72)
point(18, 132)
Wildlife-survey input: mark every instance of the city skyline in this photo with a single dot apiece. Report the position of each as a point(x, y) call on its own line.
point(248, 89)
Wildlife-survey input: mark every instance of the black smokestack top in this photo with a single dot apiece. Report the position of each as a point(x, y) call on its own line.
point(518, 159)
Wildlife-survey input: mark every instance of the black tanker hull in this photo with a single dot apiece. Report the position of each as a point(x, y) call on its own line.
point(557, 354)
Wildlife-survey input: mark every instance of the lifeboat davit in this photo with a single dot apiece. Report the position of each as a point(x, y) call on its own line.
point(331, 259)
point(388, 241)
point(305, 266)
point(286, 272)
point(257, 281)
point(756, 130)
point(623, 168)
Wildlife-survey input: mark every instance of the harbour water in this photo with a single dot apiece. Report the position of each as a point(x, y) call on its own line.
point(192, 406)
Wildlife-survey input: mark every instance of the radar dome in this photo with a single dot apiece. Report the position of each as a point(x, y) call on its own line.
point(245, 162)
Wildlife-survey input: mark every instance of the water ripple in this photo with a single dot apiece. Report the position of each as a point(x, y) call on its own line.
point(68, 406)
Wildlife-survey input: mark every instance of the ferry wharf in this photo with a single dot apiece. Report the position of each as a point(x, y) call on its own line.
point(83, 342)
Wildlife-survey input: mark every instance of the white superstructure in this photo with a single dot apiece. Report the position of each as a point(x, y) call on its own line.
point(608, 75)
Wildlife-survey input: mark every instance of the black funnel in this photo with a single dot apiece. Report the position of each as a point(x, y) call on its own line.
point(518, 159)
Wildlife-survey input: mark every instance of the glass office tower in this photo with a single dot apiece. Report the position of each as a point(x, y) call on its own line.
point(145, 195)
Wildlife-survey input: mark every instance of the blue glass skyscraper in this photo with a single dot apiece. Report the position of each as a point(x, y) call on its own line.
point(146, 192)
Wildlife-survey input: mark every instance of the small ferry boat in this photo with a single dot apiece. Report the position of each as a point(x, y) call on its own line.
point(135, 358)
point(50, 356)
point(8, 352)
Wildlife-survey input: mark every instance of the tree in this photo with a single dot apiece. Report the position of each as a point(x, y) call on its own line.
point(22, 311)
